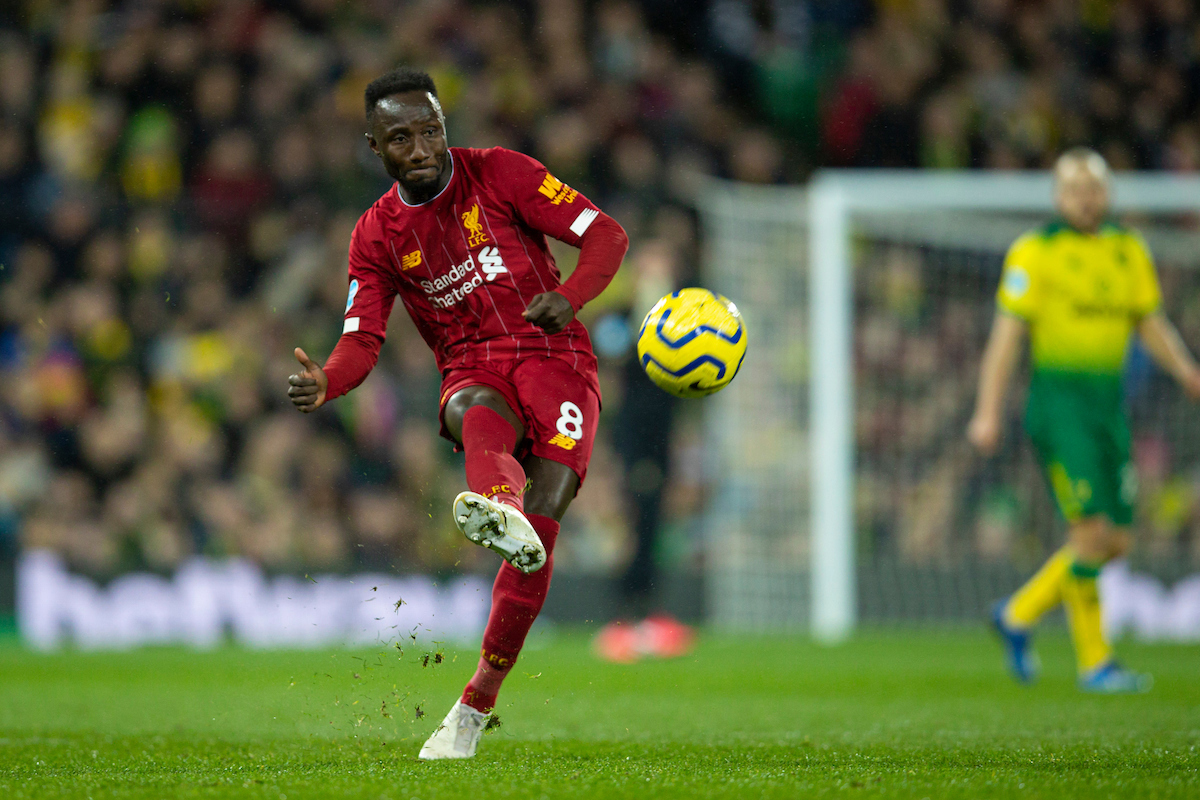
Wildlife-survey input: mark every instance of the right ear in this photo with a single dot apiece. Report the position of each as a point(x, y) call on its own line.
point(373, 144)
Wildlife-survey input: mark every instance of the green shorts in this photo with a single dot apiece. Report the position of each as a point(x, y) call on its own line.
point(1081, 436)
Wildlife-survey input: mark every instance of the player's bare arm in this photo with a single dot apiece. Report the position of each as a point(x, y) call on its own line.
point(307, 388)
point(1167, 348)
point(999, 362)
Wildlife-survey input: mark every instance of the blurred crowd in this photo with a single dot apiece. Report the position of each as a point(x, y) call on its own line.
point(178, 183)
point(1002, 84)
point(179, 179)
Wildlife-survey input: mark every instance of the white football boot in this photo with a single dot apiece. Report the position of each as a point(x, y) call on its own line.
point(502, 528)
point(458, 735)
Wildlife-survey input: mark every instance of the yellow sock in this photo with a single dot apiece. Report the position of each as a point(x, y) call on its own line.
point(1081, 598)
point(1040, 593)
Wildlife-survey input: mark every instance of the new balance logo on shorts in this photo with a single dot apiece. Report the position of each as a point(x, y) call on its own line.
point(563, 441)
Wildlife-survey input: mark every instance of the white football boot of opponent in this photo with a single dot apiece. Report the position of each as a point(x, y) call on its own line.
point(458, 735)
point(502, 528)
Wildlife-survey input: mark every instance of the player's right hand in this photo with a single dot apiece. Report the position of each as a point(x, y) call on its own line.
point(984, 432)
point(308, 387)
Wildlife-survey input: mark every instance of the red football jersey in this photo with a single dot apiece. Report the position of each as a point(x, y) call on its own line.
point(467, 262)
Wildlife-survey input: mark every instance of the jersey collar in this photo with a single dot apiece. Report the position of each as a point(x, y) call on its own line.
point(400, 197)
point(1058, 224)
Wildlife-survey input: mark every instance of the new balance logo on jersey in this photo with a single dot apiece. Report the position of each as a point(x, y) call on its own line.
point(491, 262)
point(557, 191)
point(410, 260)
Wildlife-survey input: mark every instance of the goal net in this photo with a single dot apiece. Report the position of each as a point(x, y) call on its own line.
point(845, 489)
point(757, 427)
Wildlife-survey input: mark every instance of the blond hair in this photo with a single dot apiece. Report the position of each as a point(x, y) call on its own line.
point(1084, 157)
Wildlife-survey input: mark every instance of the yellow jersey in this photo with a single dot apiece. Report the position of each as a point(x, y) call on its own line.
point(1081, 294)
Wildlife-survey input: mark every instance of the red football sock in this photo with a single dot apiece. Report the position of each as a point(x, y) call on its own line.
point(516, 600)
point(488, 441)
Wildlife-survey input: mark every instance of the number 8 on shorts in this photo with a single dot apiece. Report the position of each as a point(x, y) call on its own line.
point(571, 421)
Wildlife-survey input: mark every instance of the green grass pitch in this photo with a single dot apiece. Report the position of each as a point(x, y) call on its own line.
point(891, 714)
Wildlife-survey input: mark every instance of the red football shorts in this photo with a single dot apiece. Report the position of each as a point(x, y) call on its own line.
point(559, 407)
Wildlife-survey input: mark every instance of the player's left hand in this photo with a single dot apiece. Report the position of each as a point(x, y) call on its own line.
point(550, 311)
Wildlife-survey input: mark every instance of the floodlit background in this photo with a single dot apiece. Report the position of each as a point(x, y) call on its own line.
point(178, 182)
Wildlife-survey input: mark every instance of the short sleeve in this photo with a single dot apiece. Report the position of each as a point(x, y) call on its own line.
point(1018, 294)
point(1147, 295)
point(372, 292)
point(538, 198)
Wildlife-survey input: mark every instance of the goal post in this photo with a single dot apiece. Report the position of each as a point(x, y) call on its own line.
point(808, 241)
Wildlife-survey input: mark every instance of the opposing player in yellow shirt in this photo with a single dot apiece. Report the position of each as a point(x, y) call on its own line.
point(1080, 286)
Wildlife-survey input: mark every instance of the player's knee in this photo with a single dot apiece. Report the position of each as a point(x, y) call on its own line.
point(1091, 538)
point(552, 504)
point(552, 487)
point(465, 399)
point(1119, 543)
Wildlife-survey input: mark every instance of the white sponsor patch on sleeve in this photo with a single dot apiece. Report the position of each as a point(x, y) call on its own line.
point(1016, 281)
point(584, 220)
point(350, 325)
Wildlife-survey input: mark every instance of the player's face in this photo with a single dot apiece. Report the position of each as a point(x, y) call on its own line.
point(1082, 195)
point(408, 136)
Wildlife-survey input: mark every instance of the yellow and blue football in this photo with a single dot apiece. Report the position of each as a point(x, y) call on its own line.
point(692, 342)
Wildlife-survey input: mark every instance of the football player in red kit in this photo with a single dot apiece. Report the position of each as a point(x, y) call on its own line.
point(461, 241)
